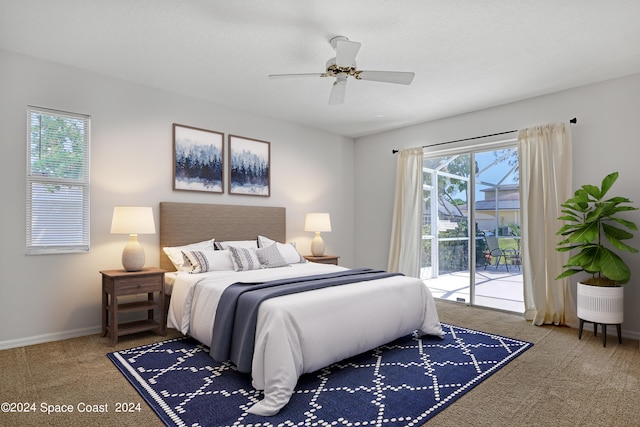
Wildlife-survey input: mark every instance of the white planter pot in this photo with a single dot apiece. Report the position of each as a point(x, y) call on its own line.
point(600, 304)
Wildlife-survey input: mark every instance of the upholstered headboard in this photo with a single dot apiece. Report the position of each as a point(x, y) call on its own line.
point(184, 223)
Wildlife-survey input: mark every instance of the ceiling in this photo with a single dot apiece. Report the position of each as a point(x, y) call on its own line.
point(467, 54)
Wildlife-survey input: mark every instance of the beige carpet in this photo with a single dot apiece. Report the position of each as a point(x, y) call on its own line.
point(561, 381)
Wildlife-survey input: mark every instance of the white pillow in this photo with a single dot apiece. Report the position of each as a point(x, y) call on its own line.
point(177, 257)
point(222, 261)
point(290, 253)
point(244, 259)
point(287, 250)
point(206, 260)
point(270, 257)
point(263, 242)
point(253, 244)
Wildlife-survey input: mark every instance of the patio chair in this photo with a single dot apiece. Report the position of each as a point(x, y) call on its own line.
point(496, 252)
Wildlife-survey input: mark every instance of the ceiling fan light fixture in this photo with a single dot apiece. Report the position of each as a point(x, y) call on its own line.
point(341, 79)
point(334, 41)
point(343, 65)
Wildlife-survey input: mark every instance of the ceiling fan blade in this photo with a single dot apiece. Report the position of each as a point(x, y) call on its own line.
point(400, 77)
point(338, 90)
point(346, 52)
point(286, 76)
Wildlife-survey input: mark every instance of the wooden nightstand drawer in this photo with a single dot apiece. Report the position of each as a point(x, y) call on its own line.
point(134, 285)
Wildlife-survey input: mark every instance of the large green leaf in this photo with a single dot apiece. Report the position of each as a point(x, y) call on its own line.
point(596, 214)
point(618, 200)
point(593, 191)
point(580, 197)
point(612, 232)
point(615, 236)
point(591, 259)
point(608, 182)
point(566, 248)
point(613, 267)
point(568, 229)
point(630, 225)
point(588, 233)
point(586, 258)
point(568, 272)
point(619, 208)
point(571, 217)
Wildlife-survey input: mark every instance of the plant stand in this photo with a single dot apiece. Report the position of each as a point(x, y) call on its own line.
point(600, 305)
point(604, 331)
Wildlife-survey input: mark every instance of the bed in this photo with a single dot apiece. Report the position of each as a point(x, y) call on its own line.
point(295, 333)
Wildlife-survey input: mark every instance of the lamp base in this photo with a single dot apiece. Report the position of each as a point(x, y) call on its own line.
point(317, 245)
point(133, 255)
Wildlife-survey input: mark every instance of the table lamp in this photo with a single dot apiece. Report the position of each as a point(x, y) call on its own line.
point(132, 220)
point(317, 223)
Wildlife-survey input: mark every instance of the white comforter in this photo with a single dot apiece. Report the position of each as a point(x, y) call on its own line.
point(303, 332)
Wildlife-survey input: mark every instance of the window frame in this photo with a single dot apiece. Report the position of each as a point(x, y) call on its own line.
point(53, 244)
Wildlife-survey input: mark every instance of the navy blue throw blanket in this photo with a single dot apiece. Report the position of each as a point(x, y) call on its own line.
point(234, 328)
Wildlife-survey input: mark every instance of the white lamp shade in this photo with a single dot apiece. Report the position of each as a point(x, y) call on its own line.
point(317, 222)
point(132, 220)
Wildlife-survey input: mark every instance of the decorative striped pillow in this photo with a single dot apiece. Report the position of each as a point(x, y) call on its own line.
point(252, 244)
point(176, 253)
point(202, 261)
point(244, 259)
point(198, 260)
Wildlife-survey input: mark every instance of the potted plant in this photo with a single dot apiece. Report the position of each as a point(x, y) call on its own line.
point(594, 231)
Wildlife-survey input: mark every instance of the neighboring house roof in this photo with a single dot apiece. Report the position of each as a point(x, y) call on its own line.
point(502, 187)
point(489, 205)
point(508, 201)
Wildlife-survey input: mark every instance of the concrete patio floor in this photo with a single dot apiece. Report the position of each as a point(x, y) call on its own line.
point(495, 288)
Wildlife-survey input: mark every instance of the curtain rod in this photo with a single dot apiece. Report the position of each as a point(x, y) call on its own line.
point(574, 120)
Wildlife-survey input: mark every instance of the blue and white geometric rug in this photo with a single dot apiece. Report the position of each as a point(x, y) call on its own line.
point(403, 383)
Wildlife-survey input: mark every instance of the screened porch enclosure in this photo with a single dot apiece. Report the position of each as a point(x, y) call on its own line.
point(462, 213)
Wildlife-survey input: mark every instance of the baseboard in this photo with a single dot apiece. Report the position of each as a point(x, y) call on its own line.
point(628, 334)
point(56, 336)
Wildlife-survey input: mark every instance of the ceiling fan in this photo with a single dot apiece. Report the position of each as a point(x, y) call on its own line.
point(344, 65)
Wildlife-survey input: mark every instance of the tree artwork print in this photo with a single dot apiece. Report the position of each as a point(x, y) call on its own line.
point(249, 169)
point(198, 159)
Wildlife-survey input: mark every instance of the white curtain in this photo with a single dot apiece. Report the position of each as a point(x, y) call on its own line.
point(406, 228)
point(545, 183)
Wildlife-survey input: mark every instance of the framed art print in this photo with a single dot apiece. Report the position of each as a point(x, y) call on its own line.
point(249, 166)
point(198, 159)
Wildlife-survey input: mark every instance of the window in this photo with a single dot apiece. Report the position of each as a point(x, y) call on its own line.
point(57, 182)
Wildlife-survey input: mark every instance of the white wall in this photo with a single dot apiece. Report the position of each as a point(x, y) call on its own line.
point(605, 139)
point(48, 297)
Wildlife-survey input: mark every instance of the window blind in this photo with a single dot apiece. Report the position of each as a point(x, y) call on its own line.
point(58, 181)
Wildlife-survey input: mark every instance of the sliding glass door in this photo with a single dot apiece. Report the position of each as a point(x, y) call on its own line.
point(471, 228)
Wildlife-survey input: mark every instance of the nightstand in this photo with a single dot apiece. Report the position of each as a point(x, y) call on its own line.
point(116, 283)
point(324, 259)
